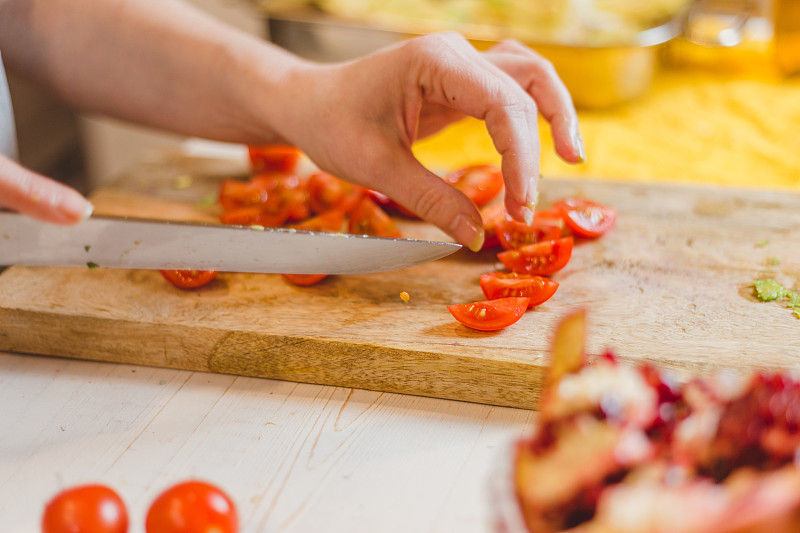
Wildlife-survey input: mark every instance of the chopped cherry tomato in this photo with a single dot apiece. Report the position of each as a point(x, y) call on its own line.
point(504, 285)
point(328, 192)
point(586, 218)
point(304, 280)
point(273, 193)
point(490, 315)
point(540, 259)
point(328, 222)
point(481, 183)
point(492, 215)
point(192, 507)
point(189, 279)
point(368, 218)
point(390, 205)
point(513, 234)
point(90, 508)
point(250, 216)
point(274, 157)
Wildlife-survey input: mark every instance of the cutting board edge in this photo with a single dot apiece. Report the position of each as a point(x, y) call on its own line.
point(291, 358)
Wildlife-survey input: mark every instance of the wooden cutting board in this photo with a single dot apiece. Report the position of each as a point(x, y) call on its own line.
point(671, 284)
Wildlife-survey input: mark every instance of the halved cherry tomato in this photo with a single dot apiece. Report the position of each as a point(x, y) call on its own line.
point(274, 157)
point(328, 222)
point(189, 279)
point(586, 218)
point(504, 285)
point(329, 192)
point(91, 508)
point(490, 315)
point(268, 199)
point(481, 183)
point(369, 219)
point(304, 280)
point(552, 216)
point(192, 507)
point(540, 259)
point(235, 194)
point(492, 215)
point(513, 234)
point(390, 205)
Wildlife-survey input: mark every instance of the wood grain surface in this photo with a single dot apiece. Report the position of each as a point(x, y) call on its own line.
point(671, 284)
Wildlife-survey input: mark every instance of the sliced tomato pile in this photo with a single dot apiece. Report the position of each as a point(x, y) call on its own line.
point(533, 251)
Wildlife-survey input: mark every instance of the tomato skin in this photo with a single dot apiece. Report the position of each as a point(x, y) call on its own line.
point(367, 218)
point(540, 259)
point(490, 315)
point(304, 280)
point(586, 218)
point(504, 285)
point(481, 183)
point(276, 157)
point(87, 508)
point(513, 234)
point(192, 507)
point(189, 279)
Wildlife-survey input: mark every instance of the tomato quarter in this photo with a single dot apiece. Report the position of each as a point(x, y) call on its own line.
point(504, 285)
point(540, 259)
point(481, 183)
point(189, 279)
point(192, 507)
point(88, 508)
point(490, 315)
point(586, 218)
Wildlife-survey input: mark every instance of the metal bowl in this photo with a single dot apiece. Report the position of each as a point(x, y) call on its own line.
point(598, 76)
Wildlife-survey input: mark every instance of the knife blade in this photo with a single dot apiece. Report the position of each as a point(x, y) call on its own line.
point(124, 242)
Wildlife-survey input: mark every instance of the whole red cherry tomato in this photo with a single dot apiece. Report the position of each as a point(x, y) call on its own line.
point(87, 508)
point(192, 507)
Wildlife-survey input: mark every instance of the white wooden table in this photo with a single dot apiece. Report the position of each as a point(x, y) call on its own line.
point(294, 457)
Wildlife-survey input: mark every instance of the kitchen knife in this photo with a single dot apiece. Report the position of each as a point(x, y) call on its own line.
point(121, 242)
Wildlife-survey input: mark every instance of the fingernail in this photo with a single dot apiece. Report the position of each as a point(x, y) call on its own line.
point(468, 232)
point(532, 196)
point(577, 142)
point(76, 207)
point(527, 215)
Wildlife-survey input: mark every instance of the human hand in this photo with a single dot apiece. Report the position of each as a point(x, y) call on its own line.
point(40, 197)
point(358, 120)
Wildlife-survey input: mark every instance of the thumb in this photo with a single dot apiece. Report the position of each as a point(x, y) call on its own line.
point(40, 197)
point(434, 200)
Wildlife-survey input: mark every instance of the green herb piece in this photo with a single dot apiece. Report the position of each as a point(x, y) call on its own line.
point(768, 290)
point(87, 248)
point(762, 244)
point(772, 261)
point(92, 266)
point(207, 201)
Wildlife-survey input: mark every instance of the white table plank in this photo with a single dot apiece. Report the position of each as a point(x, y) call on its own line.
point(294, 457)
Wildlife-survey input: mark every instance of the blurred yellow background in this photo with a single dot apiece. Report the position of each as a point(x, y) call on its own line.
point(723, 117)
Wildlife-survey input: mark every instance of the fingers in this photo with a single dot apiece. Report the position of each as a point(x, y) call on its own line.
point(42, 198)
point(539, 79)
point(452, 73)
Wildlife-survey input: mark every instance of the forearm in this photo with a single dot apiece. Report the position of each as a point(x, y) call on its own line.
point(168, 65)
